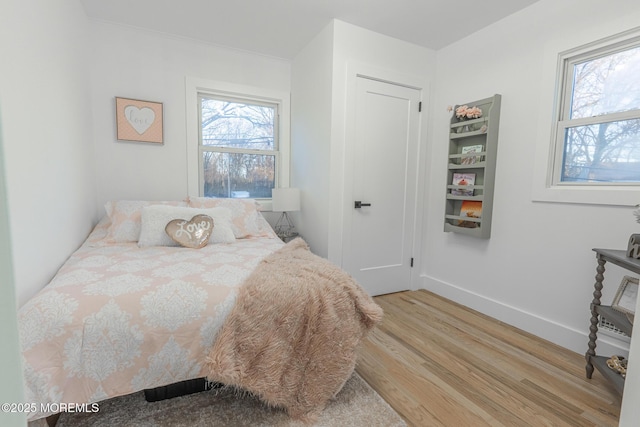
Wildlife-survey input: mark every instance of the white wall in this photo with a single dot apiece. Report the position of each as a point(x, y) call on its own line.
point(150, 66)
point(11, 372)
point(320, 91)
point(537, 270)
point(46, 116)
point(311, 100)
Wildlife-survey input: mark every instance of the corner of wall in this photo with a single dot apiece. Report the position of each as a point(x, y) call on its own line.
point(311, 100)
point(11, 373)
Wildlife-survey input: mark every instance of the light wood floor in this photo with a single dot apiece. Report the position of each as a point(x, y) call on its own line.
point(438, 363)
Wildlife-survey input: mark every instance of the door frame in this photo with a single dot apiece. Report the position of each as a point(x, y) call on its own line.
point(355, 70)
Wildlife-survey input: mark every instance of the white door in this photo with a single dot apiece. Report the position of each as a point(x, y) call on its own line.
point(379, 224)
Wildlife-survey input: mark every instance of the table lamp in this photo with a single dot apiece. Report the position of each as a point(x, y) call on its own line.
point(285, 200)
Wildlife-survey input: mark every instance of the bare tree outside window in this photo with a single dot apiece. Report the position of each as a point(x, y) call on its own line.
point(239, 149)
point(600, 121)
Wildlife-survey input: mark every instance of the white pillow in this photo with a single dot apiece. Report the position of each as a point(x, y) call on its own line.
point(155, 218)
point(125, 218)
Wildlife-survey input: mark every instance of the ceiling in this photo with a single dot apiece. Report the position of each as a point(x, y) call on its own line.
point(281, 28)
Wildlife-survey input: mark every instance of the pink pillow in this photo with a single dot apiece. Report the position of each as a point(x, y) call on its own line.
point(245, 215)
point(126, 220)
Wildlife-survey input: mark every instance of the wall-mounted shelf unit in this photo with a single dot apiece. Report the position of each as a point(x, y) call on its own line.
point(473, 147)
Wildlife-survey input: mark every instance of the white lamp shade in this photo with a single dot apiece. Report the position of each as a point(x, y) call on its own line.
point(285, 199)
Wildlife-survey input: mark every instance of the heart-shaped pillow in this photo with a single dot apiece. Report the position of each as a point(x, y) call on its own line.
point(194, 233)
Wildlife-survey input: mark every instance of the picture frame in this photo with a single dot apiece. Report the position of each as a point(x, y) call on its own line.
point(139, 121)
point(625, 298)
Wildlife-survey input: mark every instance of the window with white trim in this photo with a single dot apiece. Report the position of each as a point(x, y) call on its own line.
point(238, 139)
point(238, 146)
point(597, 136)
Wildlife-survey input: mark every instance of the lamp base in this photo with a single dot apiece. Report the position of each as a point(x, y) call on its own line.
point(284, 227)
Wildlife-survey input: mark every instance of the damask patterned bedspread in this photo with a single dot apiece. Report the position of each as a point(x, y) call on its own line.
point(118, 318)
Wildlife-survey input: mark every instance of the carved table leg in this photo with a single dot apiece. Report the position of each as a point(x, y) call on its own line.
point(593, 329)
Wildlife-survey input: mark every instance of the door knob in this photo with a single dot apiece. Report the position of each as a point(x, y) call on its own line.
point(358, 204)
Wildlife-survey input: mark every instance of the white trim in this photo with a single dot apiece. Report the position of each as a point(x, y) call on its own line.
point(562, 335)
point(195, 85)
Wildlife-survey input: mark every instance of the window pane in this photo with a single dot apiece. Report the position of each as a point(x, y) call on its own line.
point(608, 84)
point(237, 125)
point(605, 152)
point(238, 175)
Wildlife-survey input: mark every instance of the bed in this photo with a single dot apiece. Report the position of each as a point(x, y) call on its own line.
point(131, 310)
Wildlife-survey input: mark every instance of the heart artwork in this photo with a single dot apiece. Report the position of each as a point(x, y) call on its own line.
point(140, 119)
point(194, 233)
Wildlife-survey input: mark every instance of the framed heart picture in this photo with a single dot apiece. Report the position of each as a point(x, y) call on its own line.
point(139, 121)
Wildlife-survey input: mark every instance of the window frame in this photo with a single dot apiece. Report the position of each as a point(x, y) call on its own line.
point(281, 99)
point(566, 63)
point(215, 149)
point(548, 154)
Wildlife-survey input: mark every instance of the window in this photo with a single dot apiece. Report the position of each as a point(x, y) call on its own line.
point(237, 140)
point(597, 136)
point(238, 147)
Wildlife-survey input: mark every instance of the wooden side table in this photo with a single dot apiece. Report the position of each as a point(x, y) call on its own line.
point(619, 258)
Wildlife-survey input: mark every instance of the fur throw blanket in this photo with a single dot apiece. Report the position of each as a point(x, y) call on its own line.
point(291, 338)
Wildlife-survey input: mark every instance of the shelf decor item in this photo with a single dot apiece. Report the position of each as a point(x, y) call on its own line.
point(469, 152)
point(464, 180)
point(633, 247)
point(625, 299)
point(470, 211)
point(139, 121)
point(464, 112)
point(618, 364)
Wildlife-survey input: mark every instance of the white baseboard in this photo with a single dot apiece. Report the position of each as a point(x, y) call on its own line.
point(562, 335)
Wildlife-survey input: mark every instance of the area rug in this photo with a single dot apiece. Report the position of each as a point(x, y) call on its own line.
point(356, 405)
